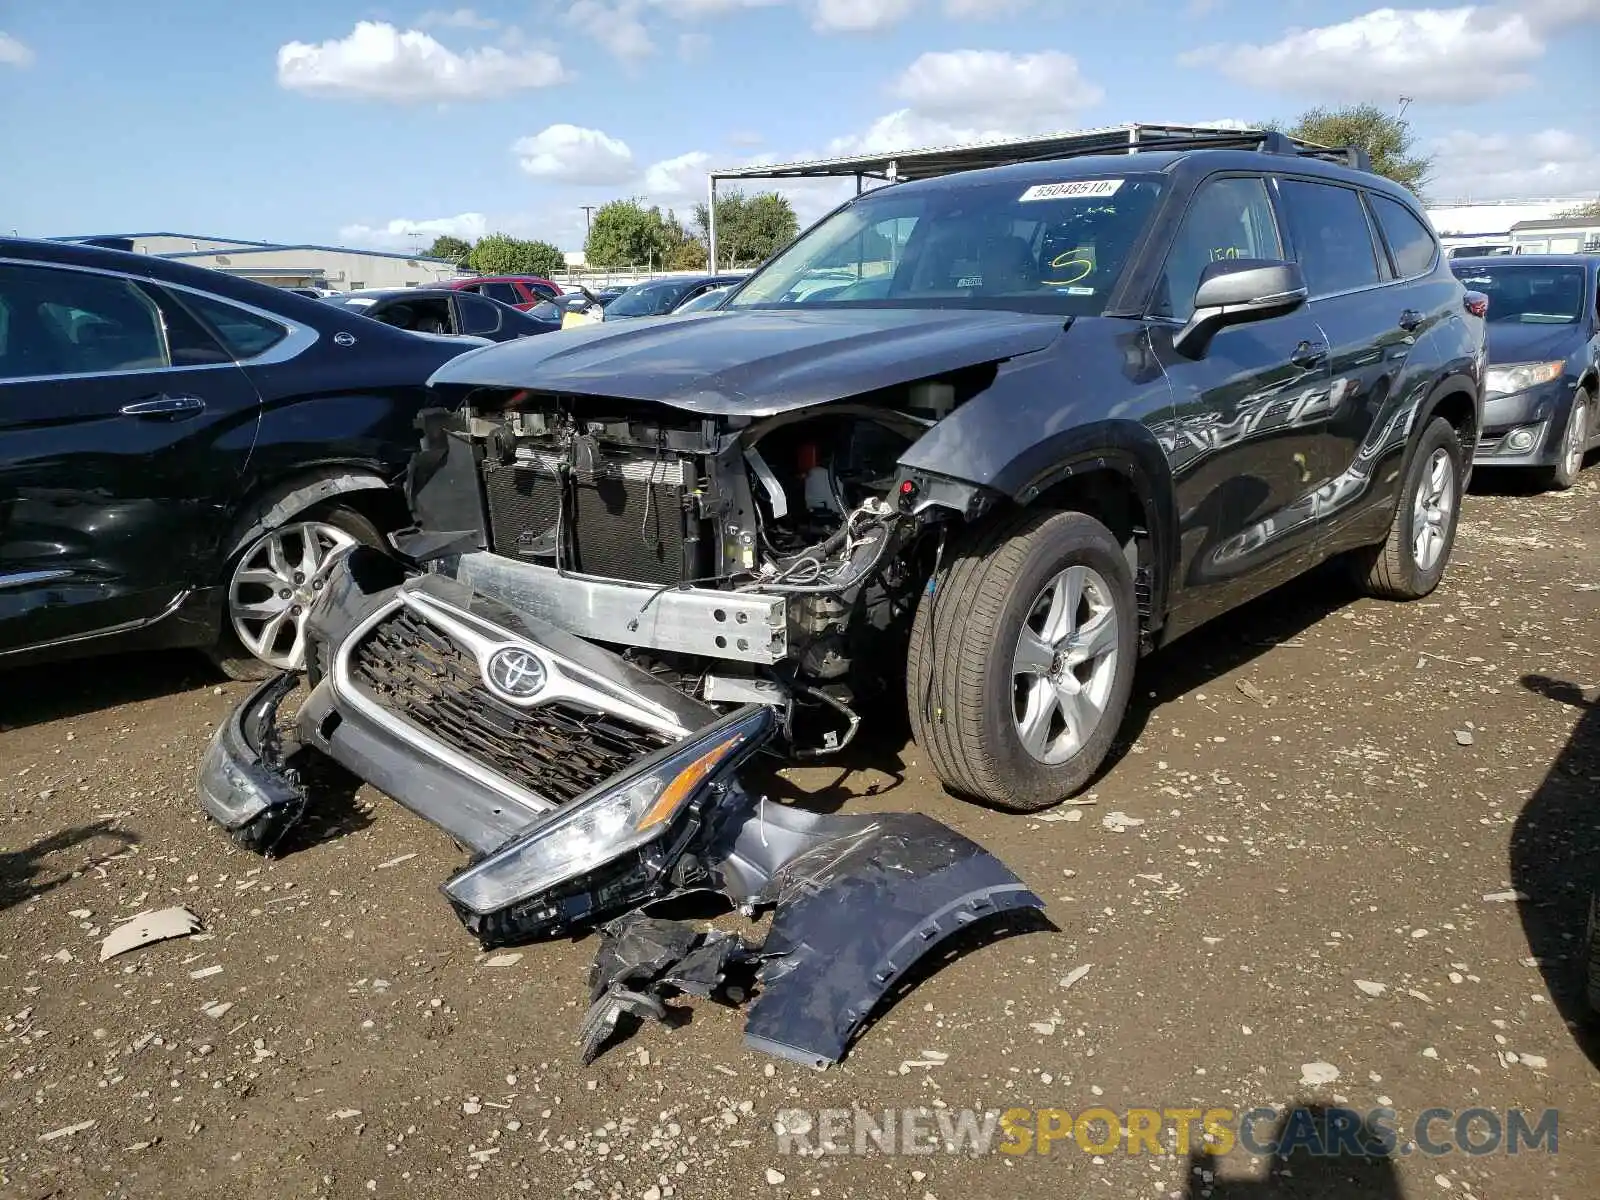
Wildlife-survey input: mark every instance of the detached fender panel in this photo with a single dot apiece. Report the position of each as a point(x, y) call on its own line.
point(854, 913)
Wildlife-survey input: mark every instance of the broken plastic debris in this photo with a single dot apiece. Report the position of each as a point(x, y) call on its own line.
point(1463, 737)
point(1116, 822)
point(147, 927)
point(395, 862)
point(1315, 1074)
point(503, 960)
point(217, 1010)
point(1371, 988)
point(1505, 897)
point(66, 1131)
point(1075, 974)
point(206, 972)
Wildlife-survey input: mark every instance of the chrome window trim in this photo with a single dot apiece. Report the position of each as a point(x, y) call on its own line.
point(298, 339)
point(24, 578)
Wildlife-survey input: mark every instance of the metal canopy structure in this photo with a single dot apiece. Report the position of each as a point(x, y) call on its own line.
point(906, 165)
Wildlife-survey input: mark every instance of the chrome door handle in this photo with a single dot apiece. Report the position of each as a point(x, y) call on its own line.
point(1309, 354)
point(164, 406)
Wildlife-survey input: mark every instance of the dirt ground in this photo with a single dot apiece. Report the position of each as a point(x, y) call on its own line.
point(1319, 791)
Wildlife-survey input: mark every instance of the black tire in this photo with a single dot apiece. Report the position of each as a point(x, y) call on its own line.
point(229, 655)
point(1390, 570)
point(960, 677)
point(1591, 958)
point(1565, 472)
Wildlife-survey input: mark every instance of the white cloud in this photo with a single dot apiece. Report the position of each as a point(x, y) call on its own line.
point(616, 27)
point(1479, 166)
point(984, 10)
point(692, 47)
point(690, 10)
point(573, 154)
point(858, 16)
point(376, 61)
point(681, 176)
point(13, 53)
point(904, 129)
point(1035, 93)
point(1448, 54)
point(403, 233)
point(459, 18)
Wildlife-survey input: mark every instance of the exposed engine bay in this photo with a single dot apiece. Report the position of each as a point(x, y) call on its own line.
point(773, 560)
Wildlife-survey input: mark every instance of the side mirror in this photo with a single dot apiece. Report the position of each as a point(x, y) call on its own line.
point(1235, 291)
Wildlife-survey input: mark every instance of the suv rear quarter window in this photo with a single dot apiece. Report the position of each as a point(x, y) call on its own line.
point(1411, 243)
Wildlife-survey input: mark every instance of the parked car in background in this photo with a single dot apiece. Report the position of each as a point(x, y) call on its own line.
point(441, 311)
point(1481, 250)
point(315, 293)
point(705, 301)
point(184, 454)
point(519, 291)
point(657, 297)
point(1544, 361)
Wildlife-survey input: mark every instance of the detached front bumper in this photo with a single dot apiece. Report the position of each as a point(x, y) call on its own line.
point(586, 790)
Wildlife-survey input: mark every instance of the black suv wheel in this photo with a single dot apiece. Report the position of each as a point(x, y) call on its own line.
point(1410, 562)
point(1022, 659)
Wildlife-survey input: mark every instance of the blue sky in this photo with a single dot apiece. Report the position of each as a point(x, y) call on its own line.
point(382, 124)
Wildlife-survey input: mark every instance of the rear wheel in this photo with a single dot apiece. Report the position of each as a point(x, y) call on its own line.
point(1022, 659)
point(272, 584)
point(1411, 561)
point(1574, 442)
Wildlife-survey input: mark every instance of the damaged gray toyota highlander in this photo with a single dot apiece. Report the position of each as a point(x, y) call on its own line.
point(972, 445)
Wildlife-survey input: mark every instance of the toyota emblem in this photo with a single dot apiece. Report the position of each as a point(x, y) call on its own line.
point(516, 673)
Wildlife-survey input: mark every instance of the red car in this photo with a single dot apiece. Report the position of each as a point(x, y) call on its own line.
point(519, 291)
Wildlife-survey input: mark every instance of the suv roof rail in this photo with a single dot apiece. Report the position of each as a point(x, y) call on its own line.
point(1264, 141)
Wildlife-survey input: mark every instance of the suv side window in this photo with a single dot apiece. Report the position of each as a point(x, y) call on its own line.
point(478, 316)
point(503, 292)
point(66, 322)
point(1332, 238)
point(1410, 242)
point(1228, 218)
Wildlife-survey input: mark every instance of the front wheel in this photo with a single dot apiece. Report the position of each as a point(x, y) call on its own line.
point(272, 585)
point(1022, 659)
point(1574, 442)
point(1410, 562)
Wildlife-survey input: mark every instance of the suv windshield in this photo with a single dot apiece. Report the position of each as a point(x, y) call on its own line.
point(1051, 247)
point(1527, 293)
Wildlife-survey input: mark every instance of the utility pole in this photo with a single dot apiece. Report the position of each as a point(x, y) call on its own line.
point(588, 215)
point(1405, 103)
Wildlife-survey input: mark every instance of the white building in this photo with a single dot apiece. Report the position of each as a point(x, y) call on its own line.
point(1464, 223)
point(338, 267)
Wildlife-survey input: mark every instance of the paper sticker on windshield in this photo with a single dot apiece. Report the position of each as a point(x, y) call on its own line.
point(360, 302)
point(1073, 189)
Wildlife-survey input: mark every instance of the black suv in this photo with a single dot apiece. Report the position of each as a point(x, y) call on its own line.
point(971, 445)
point(183, 455)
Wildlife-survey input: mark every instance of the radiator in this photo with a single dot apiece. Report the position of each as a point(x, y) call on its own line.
point(628, 521)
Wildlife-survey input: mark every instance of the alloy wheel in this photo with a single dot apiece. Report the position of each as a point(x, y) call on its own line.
point(1065, 664)
point(1577, 434)
point(274, 585)
point(1431, 510)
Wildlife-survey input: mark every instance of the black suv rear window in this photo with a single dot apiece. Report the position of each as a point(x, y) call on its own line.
point(1331, 236)
point(1410, 241)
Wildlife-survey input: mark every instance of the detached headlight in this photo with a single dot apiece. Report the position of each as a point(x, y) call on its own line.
point(1518, 377)
point(622, 815)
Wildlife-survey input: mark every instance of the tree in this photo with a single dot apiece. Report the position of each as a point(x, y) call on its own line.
point(684, 251)
point(1583, 212)
point(625, 233)
point(1385, 137)
point(451, 249)
point(502, 254)
point(750, 229)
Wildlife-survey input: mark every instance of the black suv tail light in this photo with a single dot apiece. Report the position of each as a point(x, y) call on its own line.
point(1477, 304)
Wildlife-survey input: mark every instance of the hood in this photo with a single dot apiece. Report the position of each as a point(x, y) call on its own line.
point(1513, 342)
point(757, 362)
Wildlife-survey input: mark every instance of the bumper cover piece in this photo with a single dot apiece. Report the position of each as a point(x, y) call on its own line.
point(245, 784)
